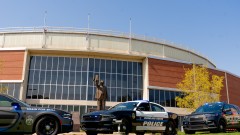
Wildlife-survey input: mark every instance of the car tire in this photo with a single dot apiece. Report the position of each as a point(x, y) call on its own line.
point(47, 126)
point(91, 133)
point(189, 132)
point(221, 126)
point(170, 129)
point(125, 127)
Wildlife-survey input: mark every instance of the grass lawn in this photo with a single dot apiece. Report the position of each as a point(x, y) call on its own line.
point(207, 133)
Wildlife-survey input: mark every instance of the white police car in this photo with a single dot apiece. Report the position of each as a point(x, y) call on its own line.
point(131, 117)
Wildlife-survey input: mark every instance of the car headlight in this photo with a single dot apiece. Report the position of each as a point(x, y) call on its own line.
point(106, 117)
point(67, 116)
point(133, 115)
point(211, 115)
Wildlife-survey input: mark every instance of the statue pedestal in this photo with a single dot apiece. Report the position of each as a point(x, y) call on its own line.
point(76, 121)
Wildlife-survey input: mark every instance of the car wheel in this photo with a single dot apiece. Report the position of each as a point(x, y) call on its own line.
point(170, 129)
point(47, 126)
point(221, 126)
point(91, 133)
point(189, 132)
point(125, 127)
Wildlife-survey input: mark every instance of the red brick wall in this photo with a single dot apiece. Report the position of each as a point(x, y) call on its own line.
point(233, 89)
point(167, 74)
point(12, 65)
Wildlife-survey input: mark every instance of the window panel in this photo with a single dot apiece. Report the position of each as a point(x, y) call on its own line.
point(77, 92)
point(97, 65)
point(119, 67)
point(61, 63)
point(83, 92)
point(73, 64)
point(53, 92)
point(37, 62)
point(85, 64)
point(157, 96)
point(47, 91)
point(55, 63)
point(103, 65)
point(90, 93)
point(113, 94)
point(65, 92)
point(79, 64)
point(66, 63)
point(49, 63)
point(114, 69)
point(71, 93)
point(124, 95)
point(162, 98)
point(43, 63)
point(108, 66)
point(135, 68)
point(125, 68)
point(151, 96)
point(91, 64)
point(130, 68)
point(119, 94)
point(72, 78)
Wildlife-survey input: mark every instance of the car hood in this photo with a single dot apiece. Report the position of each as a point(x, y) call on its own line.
point(203, 113)
point(107, 112)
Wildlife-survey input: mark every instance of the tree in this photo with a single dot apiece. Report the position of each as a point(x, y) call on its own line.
point(199, 87)
point(2, 89)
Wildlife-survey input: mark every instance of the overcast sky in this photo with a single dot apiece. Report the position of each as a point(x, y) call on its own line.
point(210, 27)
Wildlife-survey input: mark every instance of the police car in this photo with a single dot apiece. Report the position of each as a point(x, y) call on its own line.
point(131, 117)
point(17, 117)
point(213, 117)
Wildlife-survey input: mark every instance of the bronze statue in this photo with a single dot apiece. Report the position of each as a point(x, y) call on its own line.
point(101, 93)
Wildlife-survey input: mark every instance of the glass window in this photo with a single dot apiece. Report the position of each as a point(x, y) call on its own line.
point(73, 64)
point(66, 63)
point(108, 66)
point(70, 77)
point(43, 63)
point(172, 93)
point(157, 108)
point(162, 98)
point(130, 68)
point(119, 67)
point(144, 107)
point(103, 65)
point(49, 63)
point(55, 63)
point(125, 68)
point(114, 69)
point(97, 65)
point(60, 63)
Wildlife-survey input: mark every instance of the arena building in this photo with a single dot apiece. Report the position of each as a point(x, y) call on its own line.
point(54, 67)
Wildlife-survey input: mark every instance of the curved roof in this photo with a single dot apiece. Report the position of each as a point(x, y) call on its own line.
point(58, 38)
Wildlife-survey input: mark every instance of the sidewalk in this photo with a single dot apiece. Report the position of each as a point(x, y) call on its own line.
point(115, 133)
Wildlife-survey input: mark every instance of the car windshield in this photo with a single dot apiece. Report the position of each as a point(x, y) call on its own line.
point(216, 107)
point(125, 106)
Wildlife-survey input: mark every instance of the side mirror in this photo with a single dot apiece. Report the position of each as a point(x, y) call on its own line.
point(141, 108)
point(227, 111)
point(16, 106)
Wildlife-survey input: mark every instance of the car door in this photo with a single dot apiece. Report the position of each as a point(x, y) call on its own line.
point(8, 115)
point(235, 116)
point(151, 116)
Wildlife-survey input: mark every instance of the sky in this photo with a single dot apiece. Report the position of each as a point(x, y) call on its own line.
point(209, 27)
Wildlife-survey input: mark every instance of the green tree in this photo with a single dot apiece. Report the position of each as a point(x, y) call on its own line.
point(2, 89)
point(199, 87)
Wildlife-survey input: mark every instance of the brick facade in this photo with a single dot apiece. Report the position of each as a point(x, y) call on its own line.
point(12, 65)
point(163, 73)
